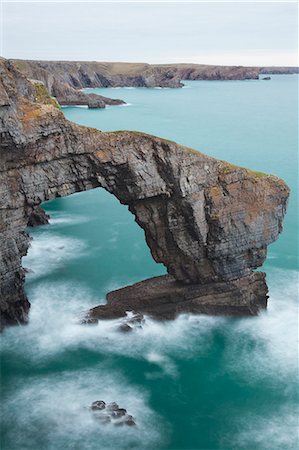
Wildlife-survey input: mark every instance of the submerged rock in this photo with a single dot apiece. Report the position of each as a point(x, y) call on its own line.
point(111, 413)
point(209, 222)
point(124, 328)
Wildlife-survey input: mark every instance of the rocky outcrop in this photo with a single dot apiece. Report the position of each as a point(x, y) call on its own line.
point(207, 221)
point(58, 85)
point(79, 75)
point(64, 79)
point(58, 75)
point(111, 413)
point(164, 298)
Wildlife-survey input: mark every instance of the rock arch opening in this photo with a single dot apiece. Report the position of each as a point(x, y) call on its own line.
point(91, 240)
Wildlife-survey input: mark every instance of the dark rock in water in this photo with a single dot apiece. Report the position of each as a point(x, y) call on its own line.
point(117, 413)
point(112, 406)
point(266, 78)
point(111, 413)
point(124, 328)
point(38, 217)
point(209, 222)
point(133, 320)
point(164, 298)
point(130, 421)
point(136, 319)
point(98, 405)
point(89, 321)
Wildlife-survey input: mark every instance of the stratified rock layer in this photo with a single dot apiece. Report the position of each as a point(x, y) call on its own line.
point(65, 79)
point(207, 221)
point(164, 298)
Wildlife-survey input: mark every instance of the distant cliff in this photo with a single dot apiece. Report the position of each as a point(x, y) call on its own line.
point(209, 222)
point(64, 79)
point(275, 70)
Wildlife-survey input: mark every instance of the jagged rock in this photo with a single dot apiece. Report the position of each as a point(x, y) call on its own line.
point(130, 421)
point(111, 413)
point(117, 413)
point(38, 217)
point(164, 298)
point(60, 88)
point(98, 405)
point(136, 319)
point(63, 79)
point(207, 221)
point(132, 321)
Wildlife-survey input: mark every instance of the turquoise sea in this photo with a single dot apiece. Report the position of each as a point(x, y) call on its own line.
point(195, 383)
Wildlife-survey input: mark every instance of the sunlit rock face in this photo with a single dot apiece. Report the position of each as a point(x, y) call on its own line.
point(207, 221)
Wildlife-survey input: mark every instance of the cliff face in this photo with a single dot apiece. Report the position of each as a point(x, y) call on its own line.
point(207, 221)
point(64, 79)
point(276, 70)
point(57, 81)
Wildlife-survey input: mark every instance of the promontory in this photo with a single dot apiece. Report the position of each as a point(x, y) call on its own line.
point(208, 221)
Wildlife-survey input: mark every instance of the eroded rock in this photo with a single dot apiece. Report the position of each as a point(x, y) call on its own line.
point(38, 217)
point(207, 221)
point(132, 321)
point(111, 413)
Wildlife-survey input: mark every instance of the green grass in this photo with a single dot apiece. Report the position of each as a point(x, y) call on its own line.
point(43, 96)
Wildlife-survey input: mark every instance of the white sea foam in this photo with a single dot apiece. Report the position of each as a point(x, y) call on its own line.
point(56, 409)
point(255, 348)
point(74, 106)
point(54, 327)
point(58, 218)
point(260, 345)
point(269, 432)
point(49, 251)
point(162, 361)
point(122, 105)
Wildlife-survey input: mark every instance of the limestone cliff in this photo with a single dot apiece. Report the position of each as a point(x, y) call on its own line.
point(64, 79)
point(207, 221)
point(58, 86)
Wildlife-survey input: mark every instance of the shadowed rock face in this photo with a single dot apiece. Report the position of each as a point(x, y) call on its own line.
point(207, 221)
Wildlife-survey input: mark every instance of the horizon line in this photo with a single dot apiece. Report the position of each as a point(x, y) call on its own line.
point(151, 64)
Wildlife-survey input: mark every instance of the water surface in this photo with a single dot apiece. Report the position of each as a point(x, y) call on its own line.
point(195, 383)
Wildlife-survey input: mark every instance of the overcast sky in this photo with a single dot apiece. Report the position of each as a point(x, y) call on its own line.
point(248, 33)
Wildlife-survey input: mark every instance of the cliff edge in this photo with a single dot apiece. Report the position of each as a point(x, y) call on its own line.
point(207, 221)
